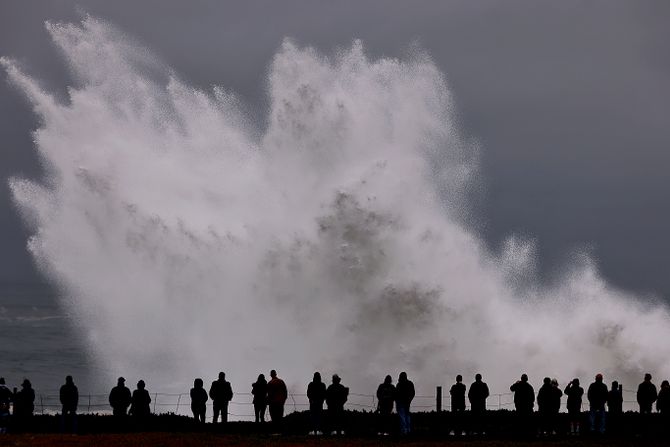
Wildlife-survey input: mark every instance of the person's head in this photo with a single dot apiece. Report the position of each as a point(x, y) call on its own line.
point(599, 377)
point(554, 382)
point(26, 384)
point(336, 379)
point(647, 377)
point(524, 377)
point(478, 377)
point(222, 376)
point(317, 377)
point(546, 381)
point(402, 377)
point(141, 385)
point(388, 380)
point(2, 380)
point(120, 381)
point(69, 380)
point(261, 378)
point(273, 373)
point(665, 384)
point(615, 385)
point(575, 382)
point(197, 383)
point(459, 378)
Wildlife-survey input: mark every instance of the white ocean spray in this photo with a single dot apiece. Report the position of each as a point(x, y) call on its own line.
point(187, 238)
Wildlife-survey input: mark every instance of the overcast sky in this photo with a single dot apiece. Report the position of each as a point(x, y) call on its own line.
point(570, 101)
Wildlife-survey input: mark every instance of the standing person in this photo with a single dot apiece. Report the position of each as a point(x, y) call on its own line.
point(404, 394)
point(479, 392)
point(524, 401)
point(543, 405)
point(574, 393)
point(663, 401)
point(140, 402)
point(221, 393)
point(259, 389)
point(554, 405)
point(614, 408)
point(597, 396)
point(336, 396)
point(69, 399)
point(646, 396)
point(457, 393)
point(5, 400)
point(24, 405)
point(316, 394)
point(277, 395)
point(385, 398)
point(199, 401)
point(119, 399)
point(663, 407)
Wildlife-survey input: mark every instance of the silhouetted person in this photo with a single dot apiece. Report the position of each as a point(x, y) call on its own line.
point(663, 407)
point(574, 393)
point(140, 402)
point(199, 401)
point(646, 395)
point(336, 396)
point(316, 394)
point(554, 405)
point(119, 398)
point(277, 395)
point(524, 401)
point(385, 399)
point(543, 405)
point(259, 389)
point(5, 400)
point(221, 393)
point(24, 405)
point(615, 408)
point(404, 394)
point(663, 401)
point(69, 399)
point(597, 395)
point(457, 393)
point(479, 392)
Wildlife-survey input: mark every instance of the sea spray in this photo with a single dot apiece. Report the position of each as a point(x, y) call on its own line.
point(189, 239)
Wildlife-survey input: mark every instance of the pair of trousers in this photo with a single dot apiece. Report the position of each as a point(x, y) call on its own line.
point(220, 408)
point(405, 423)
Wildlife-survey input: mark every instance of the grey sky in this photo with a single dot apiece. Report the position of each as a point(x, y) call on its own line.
point(569, 99)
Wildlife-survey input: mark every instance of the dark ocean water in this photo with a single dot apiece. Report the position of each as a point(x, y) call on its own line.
point(38, 340)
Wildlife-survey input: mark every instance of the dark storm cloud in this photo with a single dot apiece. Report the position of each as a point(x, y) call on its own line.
point(570, 100)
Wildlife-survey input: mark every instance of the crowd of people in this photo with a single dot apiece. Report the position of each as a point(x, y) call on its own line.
point(271, 396)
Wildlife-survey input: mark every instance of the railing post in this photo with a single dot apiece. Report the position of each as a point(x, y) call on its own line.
point(438, 399)
point(178, 400)
point(155, 401)
point(42, 404)
point(89, 404)
point(499, 396)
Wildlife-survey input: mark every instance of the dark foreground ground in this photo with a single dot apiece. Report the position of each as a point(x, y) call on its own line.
point(361, 428)
point(212, 439)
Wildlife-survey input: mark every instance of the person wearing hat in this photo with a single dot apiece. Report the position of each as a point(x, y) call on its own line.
point(119, 398)
point(24, 404)
point(597, 395)
point(336, 397)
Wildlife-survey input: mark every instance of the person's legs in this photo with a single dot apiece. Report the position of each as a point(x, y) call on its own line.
point(224, 412)
point(217, 410)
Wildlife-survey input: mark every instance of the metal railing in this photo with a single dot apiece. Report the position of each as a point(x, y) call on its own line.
point(241, 407)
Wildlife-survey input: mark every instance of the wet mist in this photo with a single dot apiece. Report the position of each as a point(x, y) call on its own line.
point(189, 237)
